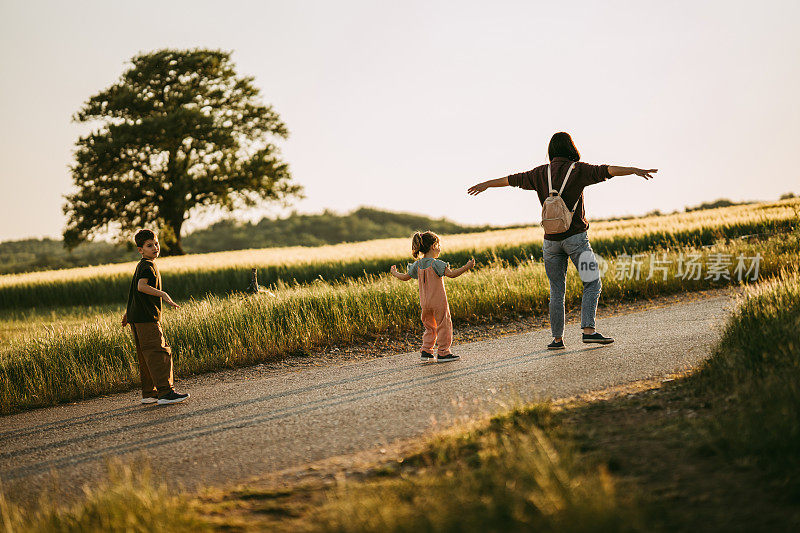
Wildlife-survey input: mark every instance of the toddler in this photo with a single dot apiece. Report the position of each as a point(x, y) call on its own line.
point(429, 271)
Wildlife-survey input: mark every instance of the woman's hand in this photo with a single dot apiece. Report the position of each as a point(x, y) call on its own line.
point(124, 319)
point(626, 171)
point(470, 263)
point(480, 187)
point(477, 189)
point(646, 174)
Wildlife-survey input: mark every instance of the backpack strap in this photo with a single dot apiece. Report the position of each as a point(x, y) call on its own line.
point(552, 191)
point(564, 184)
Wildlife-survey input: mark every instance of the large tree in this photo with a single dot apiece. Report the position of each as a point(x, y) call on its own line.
point(180, 131)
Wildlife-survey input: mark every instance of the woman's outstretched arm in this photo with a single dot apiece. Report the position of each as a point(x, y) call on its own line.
point(624, 171)
point(480, 187)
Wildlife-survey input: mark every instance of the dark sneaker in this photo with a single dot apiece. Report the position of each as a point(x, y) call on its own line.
point(149, 399)
point(596, 338)
point(425, 356)
point(446, 358)
point(171, 397)
point(556, 345)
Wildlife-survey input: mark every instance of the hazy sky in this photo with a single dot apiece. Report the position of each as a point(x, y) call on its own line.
point(403, 105)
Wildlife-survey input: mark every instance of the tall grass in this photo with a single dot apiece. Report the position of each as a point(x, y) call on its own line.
point(128, 502)
point(512, 478)
point(237, 331)
point(754, 374)
point(226, 272)
point(17, 325)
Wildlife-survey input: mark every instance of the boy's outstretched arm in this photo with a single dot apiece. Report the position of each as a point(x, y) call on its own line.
point(152, 291)
point(457, 272)
point(399, 275)
point(480, 187)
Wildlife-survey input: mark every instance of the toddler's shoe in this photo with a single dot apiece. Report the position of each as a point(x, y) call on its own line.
point(171, 397)
point(446, 358)
point(425, 356)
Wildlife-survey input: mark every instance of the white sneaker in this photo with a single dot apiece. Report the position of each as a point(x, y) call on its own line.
point(149, 399)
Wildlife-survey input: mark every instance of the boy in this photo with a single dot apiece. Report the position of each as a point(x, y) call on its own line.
point(144, 315)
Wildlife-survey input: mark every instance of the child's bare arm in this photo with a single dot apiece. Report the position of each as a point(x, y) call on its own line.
point(142, 286)
point(457, 272)
point(399, 275)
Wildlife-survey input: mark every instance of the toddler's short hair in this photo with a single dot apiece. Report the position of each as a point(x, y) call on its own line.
point(142, 236)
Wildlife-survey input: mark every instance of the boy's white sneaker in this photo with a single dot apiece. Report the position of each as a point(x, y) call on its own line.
point(149, 400)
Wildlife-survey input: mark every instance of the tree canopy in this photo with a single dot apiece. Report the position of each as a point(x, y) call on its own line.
point(180, 131)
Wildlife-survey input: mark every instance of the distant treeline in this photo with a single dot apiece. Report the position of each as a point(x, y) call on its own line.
point(722, 202)
point(29, 255)
point(295, 230)
point(316, 230)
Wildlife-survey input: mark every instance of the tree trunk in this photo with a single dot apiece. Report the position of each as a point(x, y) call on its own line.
point(177, 247)
point(171, 236)
point(172, 207)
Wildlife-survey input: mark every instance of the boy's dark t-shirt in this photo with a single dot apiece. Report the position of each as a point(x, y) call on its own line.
point(144, 307)
point(582, 175)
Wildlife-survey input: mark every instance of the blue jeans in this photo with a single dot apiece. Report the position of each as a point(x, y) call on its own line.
point(556, 254)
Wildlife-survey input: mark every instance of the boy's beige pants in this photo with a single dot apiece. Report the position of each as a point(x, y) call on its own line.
point(155, 359)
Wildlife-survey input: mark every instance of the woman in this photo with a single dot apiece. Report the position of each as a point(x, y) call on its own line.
point(573, 243)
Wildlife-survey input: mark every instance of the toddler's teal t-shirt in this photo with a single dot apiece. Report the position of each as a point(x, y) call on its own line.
point(438, 265)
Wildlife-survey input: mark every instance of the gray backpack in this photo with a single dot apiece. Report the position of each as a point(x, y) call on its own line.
point(556, 216)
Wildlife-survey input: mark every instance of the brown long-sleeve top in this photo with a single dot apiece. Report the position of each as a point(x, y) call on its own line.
point(582, 176)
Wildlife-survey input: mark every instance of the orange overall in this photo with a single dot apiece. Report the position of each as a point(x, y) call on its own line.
point(435, 309)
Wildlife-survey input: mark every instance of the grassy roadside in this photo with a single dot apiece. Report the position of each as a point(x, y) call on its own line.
point(17, 325)
point(129, 501)
point(223, 273)
point(694, 453)
point(233, 332)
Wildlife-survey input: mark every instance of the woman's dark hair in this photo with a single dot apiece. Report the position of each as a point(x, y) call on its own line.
point(421, 242)
point(561, 145)
point(142, 236)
